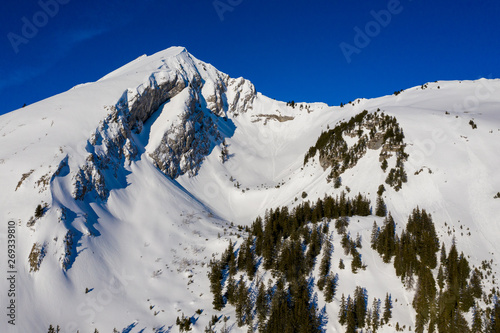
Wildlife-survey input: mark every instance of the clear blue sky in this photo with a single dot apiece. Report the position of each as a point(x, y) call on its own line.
point(290, 50)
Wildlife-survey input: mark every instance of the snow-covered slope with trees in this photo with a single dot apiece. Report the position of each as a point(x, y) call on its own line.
point(123, 190)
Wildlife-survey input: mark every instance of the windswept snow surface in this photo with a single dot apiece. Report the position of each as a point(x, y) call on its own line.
point(143, 250)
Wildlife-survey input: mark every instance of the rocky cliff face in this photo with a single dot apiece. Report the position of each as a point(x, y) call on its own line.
point(185, 144)
point(212, 96)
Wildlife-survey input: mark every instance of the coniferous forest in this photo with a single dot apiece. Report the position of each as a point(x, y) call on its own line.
point(269, 278)
point(287, 244)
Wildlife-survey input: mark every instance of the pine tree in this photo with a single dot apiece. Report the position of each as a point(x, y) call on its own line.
point(459, 323)
point(314, 249)
point(360, 305)
point(425, 293)
point(387, 308)
point(440, 277)
point(39, 211)
point(241, 260)
point(495, 317)
point(343, 311)
point(250, 262)
point(375, 315)
point(350, 316)
point(452, 273)
point(215, 277)
point(359, 244)
point(356, 262)
point(231, 290)
point(324, 267)
point(279, 314)
point(346, 243)
point(242, 302)
point(368, 319)
point(387, 239)
point(231, 259)
point(442, 257)
point(375, 235)
point(380, 209)
point(424, 237)
point(258, 232)
point(475, 283)
point(262, 306)
point(338, 182)
point(477, 322)
point(330, 288)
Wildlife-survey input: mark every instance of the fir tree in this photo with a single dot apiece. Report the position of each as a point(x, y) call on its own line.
point(330, 288)
point(242, 303)
point(475, 283)
point(341, 225)
point(495, 317)
point(375, 235)
point(232, 259)
point(343, 311)
point(231, 290)
point(387, 239)
point(215, 277)
point(279, 314)
point(262, 306)
point(380, 209)
point(338, 182)
point(350, 316)
point(360, 305)
point(452, 273)
point(250, 262)
point(356, 262)
point(324, 267)
point(440, 277)
point(314, 249)
point(359, 244)
point(387, 308)
point(258, 232)
point(477, 321)
point(375, 320)
point(442, 257)
point(426, 242)
point(346, 244)
point(425, 293)
point(39, 211)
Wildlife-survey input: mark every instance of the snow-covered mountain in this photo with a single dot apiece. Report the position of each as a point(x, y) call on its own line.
point(123, 190)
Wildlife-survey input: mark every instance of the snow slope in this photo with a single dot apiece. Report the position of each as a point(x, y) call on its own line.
point(138, 199)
